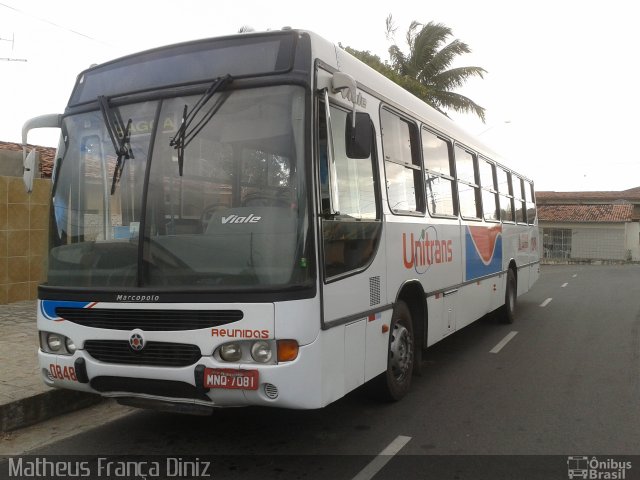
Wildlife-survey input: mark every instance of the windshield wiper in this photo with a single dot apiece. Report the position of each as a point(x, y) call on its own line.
point(120, 137)
point(186, 133)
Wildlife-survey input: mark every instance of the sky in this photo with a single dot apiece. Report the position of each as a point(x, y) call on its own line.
point(560, 93)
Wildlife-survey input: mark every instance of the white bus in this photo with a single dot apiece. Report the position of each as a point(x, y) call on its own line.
point(262, 219)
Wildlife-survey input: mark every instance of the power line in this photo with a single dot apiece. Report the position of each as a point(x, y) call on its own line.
point(75, 32)
point(13, 41)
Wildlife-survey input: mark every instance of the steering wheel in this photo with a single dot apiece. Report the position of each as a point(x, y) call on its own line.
point(208, 212)
point(256, 201)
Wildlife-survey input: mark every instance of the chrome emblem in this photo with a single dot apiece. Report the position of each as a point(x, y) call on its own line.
point(136, 342)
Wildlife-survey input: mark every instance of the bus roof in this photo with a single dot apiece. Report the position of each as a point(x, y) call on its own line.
point(396, 96)
point(334, 56)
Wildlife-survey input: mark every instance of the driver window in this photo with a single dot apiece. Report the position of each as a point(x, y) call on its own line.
point(350, 237)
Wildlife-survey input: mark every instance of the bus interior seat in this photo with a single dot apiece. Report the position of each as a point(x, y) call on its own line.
point(183, 226)
point(267, 199)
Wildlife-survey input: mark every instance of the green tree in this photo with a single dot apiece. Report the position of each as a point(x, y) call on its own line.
point(424, 70)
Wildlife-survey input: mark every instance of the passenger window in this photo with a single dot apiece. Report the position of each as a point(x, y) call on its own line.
point(468, 188)
point(530, 201)
point(506, 197)
point(351, 236)
point(503, 181)
point(486, 175)
point(439, 179)
point(402, 164)
point(465, 170)
point(518, 199)
point(489, 193)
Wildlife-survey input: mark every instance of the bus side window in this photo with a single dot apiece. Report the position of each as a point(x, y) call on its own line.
point(468, 186)
point(323, 161)
point(489, 190)
point(400, 143)
point(440, 182)
point(530, 202)
point(506, 196)
point(351, 236)
point(518, 199)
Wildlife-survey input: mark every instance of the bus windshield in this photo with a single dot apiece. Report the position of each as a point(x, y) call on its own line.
point(235, 218)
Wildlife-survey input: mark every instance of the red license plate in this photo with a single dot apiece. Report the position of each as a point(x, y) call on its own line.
point(231, 379)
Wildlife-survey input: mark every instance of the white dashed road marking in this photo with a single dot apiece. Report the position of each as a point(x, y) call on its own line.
point(503, 342)
point(382, 459)
point(546, 302)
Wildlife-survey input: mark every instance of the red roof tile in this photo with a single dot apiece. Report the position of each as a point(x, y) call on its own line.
point(630, 195)
point(585, 213)
point(47, 155)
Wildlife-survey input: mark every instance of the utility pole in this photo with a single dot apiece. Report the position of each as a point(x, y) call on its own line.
point(13, 41)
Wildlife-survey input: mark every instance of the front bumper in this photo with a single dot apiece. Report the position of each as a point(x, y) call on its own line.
point(295, 384)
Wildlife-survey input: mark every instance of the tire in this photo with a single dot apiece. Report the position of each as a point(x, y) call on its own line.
point(508, 310)
point(394, 383)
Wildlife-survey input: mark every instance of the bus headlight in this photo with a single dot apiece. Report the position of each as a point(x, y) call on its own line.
point(54, 342)
point(231, 352)
point(261, 351)
point(57, 343)
point(71, 347)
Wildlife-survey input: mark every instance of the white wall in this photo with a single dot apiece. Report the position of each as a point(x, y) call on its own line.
point(602, 241)
point(633, 240)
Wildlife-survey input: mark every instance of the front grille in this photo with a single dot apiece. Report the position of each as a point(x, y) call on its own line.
point(161, 354)
point(148, 320)
point(161, 388)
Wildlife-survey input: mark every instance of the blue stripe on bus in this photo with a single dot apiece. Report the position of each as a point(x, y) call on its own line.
point(48, 307)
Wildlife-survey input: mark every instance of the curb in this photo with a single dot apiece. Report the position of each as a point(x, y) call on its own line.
point(43, 406)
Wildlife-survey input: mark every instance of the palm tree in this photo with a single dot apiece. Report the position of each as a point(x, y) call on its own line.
point(425, 71)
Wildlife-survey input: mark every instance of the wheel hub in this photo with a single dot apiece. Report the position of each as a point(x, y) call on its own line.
point(400, 352)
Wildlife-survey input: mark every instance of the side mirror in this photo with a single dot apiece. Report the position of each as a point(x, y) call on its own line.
point(29, 160)
point(344, 83)
point(30, 165)
point(358, 135)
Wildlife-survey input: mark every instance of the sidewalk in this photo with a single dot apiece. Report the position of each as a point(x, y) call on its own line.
point(24, 398)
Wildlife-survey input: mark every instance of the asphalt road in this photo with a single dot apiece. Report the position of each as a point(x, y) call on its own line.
point(567, 383)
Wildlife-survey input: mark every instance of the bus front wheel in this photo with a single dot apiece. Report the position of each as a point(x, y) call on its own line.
point(394, 383)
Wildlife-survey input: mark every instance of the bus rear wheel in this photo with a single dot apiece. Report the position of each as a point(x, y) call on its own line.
point(508, 311)
point(394, 383)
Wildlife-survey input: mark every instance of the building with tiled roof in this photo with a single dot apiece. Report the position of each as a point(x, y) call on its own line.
point(623, 196)
point(46, 155)
point(586, 213)
point(590, 225)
